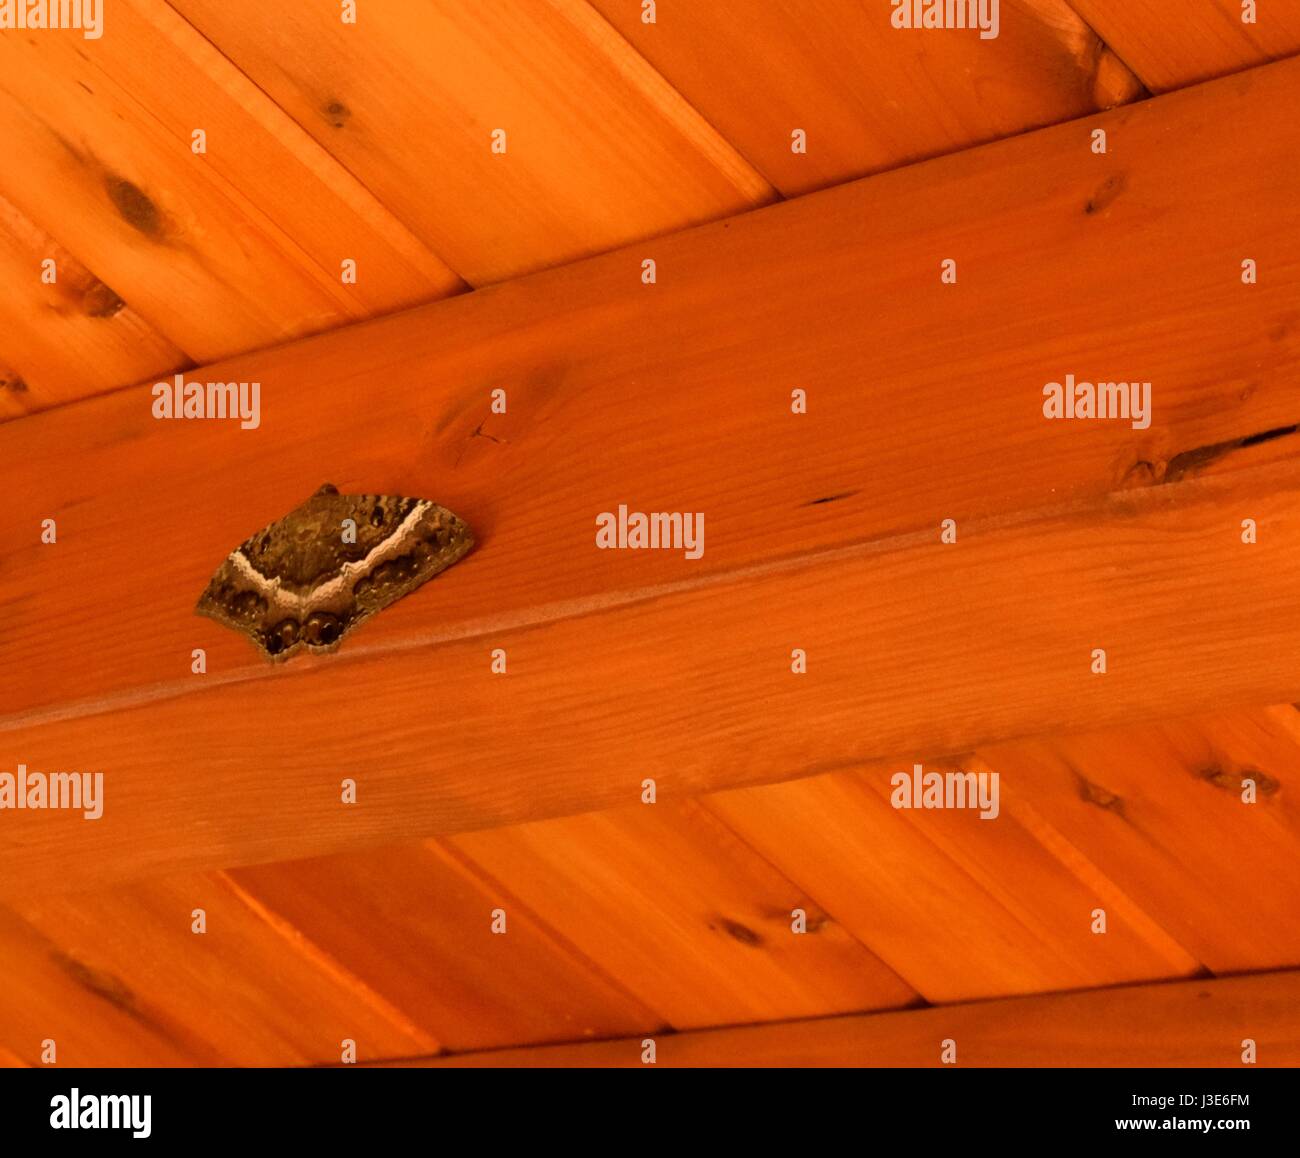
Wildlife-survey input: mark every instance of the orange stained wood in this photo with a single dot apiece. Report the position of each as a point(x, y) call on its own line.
point(1191, 1023)
point(237, 247)
point(944, 897)
point(771, 907)
point(233, 256)
point(686, 387)
point(1156, 575)
point(686, 915)
point(244, 244)
point(866, 95)
point(243, 992)
point(1172, 43)
point(1166, 812)
point(597, 148)
point(64, 334)
point(1151, 825)
point(695, 687)
point(415, 924)
point(666, 916)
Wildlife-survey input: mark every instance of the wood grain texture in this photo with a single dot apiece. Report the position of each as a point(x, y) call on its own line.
point(419, 87)
point(686, 916)
point(70, 339)
point(1145, 823)
point(822, 533)
point(945, 898)
point(1157, 574)
point(648, 919)
point(1161, 810)
point(1185, 1024)
point(1191, 617)
point(121, 979)
point(233, 249)
point(677, 396)
point(870, 96)
point(414, 923)
point(1170, 43)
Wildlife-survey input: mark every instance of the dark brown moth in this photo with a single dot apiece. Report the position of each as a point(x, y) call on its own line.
point(301, 583)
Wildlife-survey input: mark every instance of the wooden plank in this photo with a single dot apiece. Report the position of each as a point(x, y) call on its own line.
point(675, 907)
point(74, 1004)
point(70, 339)
point(414, 923)
point(685, 388)
point(867, 95)
point(600, 151)
point(960, 907)
point(1146, 823)
point(583, 343)
point(246, 992)
point(1192, 620)
point(1166, 819)
point(1184, 1024)
point(1170, 43)
point(237, 248)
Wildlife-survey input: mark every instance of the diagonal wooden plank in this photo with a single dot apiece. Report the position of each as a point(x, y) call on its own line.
point(1165, 815)
point(867, 95)
point(668, 901)
point(1170, 43)
point(1146, 823)
point(69, 338)
point(1184, 1024)
point(599, 149)
point(236, 248)
point(942, 897)
point(240, 993)
point(414, 923)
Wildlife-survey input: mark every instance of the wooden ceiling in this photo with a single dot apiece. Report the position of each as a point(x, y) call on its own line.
point(477, 791)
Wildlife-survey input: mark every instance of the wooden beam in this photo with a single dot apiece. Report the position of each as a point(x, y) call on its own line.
point(925, 404)
point(924, 399)
point(1175, 1025)
point(915, 650)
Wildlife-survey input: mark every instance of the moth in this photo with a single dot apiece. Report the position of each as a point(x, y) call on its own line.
point(308, 579)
